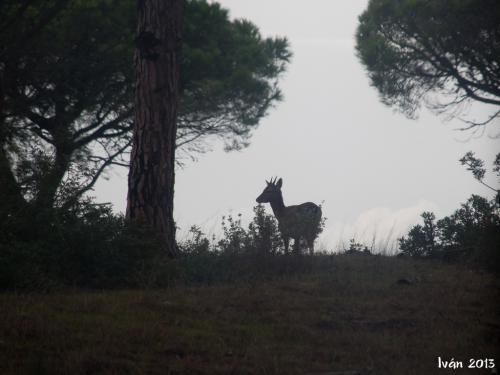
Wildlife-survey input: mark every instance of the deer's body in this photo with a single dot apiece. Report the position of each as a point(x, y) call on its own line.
point(298, 222)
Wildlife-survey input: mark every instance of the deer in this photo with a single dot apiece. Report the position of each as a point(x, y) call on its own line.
point(302, 221)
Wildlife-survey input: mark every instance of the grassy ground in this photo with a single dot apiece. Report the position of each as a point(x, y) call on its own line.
point(354, 316)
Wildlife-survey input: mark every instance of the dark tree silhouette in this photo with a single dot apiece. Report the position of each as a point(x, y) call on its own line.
point(14, 42)
point(152, 163)
point(67, 90)
point(66, 102)
point(444, 54)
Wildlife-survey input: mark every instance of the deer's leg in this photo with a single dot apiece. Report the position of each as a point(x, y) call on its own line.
point(310, 245)
point(286, 242)
point(296, 245)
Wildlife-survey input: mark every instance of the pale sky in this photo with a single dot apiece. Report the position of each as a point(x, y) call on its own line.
point(331, 140)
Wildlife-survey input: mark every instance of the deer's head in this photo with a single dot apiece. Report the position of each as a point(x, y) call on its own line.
point(271, 192)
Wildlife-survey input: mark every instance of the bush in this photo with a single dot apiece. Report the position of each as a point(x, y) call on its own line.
point(357, 248)
point(261, 237)
point(421, 240)
point(85, 246)
point(471, 234)
point(240, 254)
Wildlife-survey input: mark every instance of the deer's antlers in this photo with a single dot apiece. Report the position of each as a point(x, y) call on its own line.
point(272, 182)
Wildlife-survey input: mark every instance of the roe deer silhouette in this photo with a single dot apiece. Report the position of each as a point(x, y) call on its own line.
point(297, 222)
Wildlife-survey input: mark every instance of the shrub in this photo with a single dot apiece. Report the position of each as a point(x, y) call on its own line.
point(422, 239)
point(261, 237)
point(471, 234)
point(356, 248)
point(263, 232)
point(86, 245)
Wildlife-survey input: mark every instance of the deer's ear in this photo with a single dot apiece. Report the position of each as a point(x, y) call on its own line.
point(280, 182)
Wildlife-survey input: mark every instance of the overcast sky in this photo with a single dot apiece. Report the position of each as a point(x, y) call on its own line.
point(331, 140)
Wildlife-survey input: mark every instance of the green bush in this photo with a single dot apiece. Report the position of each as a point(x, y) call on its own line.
point(471, 234)
point(422, 239)
point(85, 246)
point(240, 254)
point(261, 237)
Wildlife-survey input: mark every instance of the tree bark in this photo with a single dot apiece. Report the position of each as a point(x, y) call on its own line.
point(151, 177)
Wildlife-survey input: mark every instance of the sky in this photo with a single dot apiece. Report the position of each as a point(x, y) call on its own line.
point(331, 140)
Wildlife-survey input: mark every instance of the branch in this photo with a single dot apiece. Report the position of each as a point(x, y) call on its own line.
point(102, 114)
point(100, 132)
point(463, 82)
point(473, 124)
point(95, 177)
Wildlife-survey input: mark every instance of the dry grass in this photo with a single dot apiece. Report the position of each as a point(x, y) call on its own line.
point(355, 316)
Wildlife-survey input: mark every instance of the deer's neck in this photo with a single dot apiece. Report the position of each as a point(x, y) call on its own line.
point(278, 206)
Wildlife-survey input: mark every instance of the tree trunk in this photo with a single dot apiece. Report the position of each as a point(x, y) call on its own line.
point(151, 177)
point(51, 181)
point(12, 199)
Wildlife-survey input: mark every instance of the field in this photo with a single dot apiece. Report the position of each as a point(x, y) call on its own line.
point(358, 315)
